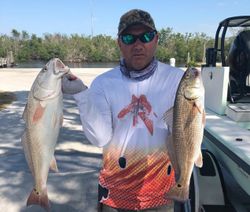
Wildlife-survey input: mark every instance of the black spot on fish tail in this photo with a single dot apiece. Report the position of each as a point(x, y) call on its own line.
point(37, 192)
point(178, 193)
point(39, 198)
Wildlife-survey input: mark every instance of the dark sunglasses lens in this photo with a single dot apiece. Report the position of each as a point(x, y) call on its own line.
point(147, 37)
point(128, 39)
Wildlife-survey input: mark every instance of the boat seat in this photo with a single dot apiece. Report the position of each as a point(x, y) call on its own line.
point(239, 112)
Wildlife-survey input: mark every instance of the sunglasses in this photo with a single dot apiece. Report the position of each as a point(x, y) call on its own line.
point(145, 37)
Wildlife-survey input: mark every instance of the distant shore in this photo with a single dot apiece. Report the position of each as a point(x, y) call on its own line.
point(14, 79)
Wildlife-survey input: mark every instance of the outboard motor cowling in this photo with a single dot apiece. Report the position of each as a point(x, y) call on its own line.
point(239, 63)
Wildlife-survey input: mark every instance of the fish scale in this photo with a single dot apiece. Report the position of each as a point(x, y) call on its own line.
point(43, 114)
point(186, 126)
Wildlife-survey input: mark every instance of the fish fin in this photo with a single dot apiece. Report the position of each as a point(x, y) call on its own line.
point(178, 193)
point(53, 165)
point(168, 118)
point(204, 117)
point(172, 156)
point(24, 116)
point(199, 106)
point(199, 161)
point(41, 199)
point(38, 112)
point(61, 120)
point(54, 120)
point(26, 151)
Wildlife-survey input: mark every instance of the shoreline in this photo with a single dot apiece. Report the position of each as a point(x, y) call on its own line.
point(16, 79)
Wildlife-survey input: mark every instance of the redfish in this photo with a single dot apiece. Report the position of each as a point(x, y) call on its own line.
point(186, 122)
point(43, 115)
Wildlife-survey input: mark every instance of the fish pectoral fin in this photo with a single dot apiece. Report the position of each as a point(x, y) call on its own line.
point(199, 106)
point(199, 161)
point(53, 165)
point(38, 113)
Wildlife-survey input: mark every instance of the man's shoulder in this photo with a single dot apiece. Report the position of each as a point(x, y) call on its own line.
point(109, 73)
point(106, 77)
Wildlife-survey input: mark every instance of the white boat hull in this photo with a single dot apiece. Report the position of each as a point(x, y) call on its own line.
point(241, 177)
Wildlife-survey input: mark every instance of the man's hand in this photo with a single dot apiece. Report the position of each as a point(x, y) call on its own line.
point(71, 84)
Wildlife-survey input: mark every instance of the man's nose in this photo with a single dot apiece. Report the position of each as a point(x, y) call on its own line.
point(138, 44)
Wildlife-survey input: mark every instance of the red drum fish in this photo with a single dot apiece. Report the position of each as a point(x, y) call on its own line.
point(186, 122)
point(43, 115)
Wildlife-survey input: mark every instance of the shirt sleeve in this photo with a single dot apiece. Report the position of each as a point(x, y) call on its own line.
point(95, 115)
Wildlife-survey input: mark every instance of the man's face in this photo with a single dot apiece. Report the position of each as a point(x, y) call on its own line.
point(138, 55)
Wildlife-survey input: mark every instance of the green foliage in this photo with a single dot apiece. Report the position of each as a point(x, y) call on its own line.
point(191, 64)
point(6, 45)
point(187, 49)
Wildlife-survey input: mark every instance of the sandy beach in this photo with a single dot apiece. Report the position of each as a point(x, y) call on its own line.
point(74, 187)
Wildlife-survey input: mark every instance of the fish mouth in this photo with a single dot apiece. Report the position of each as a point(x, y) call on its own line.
point(64, 71)
point(60, 68)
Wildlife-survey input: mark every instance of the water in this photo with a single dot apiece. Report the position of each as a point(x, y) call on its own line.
point(40, 64)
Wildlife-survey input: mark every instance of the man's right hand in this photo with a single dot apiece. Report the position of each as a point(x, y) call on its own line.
point(72, 85)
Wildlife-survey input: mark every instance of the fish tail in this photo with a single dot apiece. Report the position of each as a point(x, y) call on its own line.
point(37, 198)
point(178, 193)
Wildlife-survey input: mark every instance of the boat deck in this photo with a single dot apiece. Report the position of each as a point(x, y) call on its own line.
point(230, 143)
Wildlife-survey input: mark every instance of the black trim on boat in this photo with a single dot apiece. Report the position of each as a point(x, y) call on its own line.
point(242, 164)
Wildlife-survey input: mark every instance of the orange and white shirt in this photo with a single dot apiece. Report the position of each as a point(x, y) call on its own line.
point(124, 117)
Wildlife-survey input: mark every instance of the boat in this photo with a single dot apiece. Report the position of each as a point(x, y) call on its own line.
point(226, 142)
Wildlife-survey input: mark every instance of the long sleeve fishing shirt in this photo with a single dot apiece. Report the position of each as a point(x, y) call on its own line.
point(125, 117)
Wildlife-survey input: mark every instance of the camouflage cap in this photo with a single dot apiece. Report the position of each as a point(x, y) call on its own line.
point(134, 17)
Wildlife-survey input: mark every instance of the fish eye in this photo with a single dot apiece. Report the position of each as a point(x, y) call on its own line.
point(188, 75)
point(45, 68)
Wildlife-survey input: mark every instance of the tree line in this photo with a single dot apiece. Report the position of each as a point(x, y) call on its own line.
point(185, 48)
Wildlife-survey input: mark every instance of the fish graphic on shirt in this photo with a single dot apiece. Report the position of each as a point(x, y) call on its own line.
point(139, 107)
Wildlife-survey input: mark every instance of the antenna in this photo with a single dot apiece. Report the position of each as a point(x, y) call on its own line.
point(92, 14)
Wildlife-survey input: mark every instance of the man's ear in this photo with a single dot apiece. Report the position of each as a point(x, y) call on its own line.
point(157, 36)
point(119, 42)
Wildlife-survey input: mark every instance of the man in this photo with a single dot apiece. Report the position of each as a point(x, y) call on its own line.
point(122, 112)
